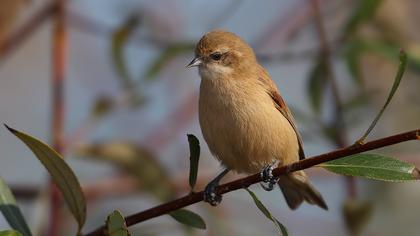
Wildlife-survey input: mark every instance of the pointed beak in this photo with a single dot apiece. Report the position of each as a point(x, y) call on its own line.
point(195, 62)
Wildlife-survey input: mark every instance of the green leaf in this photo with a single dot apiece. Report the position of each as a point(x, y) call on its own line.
point(102, 106)
point(363, 12)
point(135, 160)
point(194, 159)
point(60, 172)
point(10, 233)
point(397, 80)
point(317, 83)
point(115, 224)
point(373, 166)
point(11, 211)
point(188, 218)
point(356, 215)
point(281, 229)
point(119, 40)
point(169, 53)
point(352, 55)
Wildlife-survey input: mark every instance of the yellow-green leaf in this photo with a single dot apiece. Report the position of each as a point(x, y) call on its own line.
point(10, 233)
point(188, 218)
point(11, 211)
point(119, 40)
point(61, 174)
point(166, 56)
point(135, 160)
point(364, 11)
point(115, 224)
point(194, 159)
point(397, 80)
point(317, 84)
point(373, 166)
point(281, 229)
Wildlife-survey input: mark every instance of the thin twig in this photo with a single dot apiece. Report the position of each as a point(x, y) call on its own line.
point(17, 38)
point(252, 179)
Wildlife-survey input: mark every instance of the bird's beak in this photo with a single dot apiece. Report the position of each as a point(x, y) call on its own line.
point(195, 62)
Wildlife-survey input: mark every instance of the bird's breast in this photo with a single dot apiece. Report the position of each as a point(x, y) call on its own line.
point(242, 127)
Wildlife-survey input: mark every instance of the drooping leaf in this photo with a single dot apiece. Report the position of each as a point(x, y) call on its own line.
point(188, 218)
point(135, 160)
point(115, 224)
point(317, 84)
point(356, 215)
point(10, 233)
point(194, 159)
point(169, 53)
point(61, 174)
point(119, 40)
point(363, 12)
point(282, 230)
point(11, 211)
point(373, 166)
point(397, 80)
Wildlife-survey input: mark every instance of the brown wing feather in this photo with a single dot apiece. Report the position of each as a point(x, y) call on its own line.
point(281, 106)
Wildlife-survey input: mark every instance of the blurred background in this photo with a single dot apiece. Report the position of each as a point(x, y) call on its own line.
point(129, 102)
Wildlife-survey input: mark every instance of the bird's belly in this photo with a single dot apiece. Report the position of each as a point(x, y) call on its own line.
point(247, 134)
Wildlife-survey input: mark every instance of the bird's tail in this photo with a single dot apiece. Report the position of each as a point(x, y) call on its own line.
point(296, 188)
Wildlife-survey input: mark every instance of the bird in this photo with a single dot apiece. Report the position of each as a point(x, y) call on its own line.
point(245, 122)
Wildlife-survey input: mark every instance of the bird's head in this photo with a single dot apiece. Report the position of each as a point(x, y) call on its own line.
point(220, 53)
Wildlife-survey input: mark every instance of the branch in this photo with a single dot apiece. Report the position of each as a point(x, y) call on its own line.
point(27, 29)
point(59, 63)
point(252, 179)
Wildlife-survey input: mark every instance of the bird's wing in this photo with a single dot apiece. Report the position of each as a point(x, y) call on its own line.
point(272, 90)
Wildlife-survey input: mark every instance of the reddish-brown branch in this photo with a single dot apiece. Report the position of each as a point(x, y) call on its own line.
point(252, 179)
point(59, 51)
point(27, 29)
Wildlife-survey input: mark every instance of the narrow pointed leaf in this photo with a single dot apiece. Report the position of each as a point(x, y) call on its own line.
point(115, 224)
point(11, 211)
point(397, 80)
point(364, 11)
point(194, 159)
point(352, 55)
point(317, 84)
point(10, 233)
point(119, 40)
point(188, 218)
point(60, 172)
point(166, 56)
point(282, 230)
point(373, 166)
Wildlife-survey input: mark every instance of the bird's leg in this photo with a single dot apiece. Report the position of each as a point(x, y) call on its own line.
point(210, 195)
point(267, 176)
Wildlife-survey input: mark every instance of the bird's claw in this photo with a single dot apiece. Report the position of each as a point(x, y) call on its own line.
point(269, 181)
point(211, 196)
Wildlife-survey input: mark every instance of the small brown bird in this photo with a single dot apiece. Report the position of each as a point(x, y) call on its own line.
point(245, 121)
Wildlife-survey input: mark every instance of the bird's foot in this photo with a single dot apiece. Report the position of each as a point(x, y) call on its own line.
point(210, 194)
point(269, 181)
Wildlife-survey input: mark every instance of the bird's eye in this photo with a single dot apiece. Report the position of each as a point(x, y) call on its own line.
point(216, 56)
